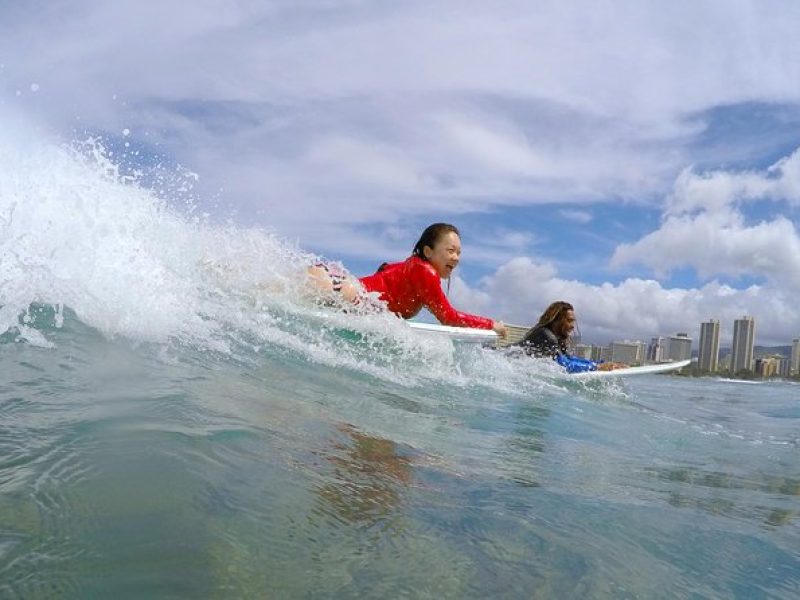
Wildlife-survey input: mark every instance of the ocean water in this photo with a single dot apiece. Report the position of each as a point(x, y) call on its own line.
point(178, 420)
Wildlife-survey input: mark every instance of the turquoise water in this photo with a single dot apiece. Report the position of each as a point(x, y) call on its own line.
point(177, 420)
point(162, 471)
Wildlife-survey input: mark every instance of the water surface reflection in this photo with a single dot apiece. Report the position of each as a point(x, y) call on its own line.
point(370, 479)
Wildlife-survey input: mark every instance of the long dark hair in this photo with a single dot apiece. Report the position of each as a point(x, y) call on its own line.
point(431, 235)
point(553, 313)
point(429, 238)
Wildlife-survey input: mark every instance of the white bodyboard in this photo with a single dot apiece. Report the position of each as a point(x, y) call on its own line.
point(627, 371)
point(458, 334)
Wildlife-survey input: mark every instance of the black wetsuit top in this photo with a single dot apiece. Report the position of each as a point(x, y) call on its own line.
point(540, 341)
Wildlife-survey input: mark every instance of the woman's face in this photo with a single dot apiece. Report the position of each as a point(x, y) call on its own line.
point(566, 324)
point(445, 254)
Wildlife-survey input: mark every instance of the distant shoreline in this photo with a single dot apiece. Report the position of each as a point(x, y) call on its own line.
point(747, 376)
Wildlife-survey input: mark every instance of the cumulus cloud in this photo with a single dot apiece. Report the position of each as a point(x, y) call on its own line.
point(390, 111)
point(719, 190)
point(714, 244)
point(704, 227)
point(521, 289)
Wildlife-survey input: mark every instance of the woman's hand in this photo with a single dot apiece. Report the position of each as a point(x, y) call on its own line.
point(500, 328)
point(610, 366)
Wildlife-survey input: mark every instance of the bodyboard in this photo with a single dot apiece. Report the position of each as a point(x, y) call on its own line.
point(628, 371)
point(458, 334)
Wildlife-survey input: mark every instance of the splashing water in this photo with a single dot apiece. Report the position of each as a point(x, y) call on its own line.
point(182, 418)
point(77, 233)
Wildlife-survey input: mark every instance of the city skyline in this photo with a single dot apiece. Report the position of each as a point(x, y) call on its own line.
point(724, 334)
point(739, 356)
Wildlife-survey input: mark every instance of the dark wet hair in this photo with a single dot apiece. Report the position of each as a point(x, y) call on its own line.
point(431, 235)
point(553, 313)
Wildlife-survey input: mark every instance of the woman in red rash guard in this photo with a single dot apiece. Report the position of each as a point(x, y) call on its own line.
point(408, 286)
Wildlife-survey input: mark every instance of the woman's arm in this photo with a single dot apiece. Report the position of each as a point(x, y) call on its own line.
point(573, 364)
point(434, 299)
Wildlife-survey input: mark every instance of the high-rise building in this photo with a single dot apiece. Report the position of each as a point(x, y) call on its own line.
point(794, 368)
point(630, 353)
point(680, 347)
point(708, 354)
point(782, 369)
point(599, 353)
point(767, 366)
point(744, 333)
point(655, 351)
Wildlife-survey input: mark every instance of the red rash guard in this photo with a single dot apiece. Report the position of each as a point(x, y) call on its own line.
point(408, 286)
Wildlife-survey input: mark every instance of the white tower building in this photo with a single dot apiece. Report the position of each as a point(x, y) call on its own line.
point(708, 355)
point(744, 333)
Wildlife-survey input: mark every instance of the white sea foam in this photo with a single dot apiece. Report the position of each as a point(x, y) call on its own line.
point(76, 231)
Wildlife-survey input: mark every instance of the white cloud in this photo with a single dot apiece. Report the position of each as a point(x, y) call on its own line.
point(364, 163)
point(498, 147)
point(521, 289)
point(713, 244)
point(401, 110)
point(705, 229)
point(718, 190)
point(496, 245)
point(579, 216)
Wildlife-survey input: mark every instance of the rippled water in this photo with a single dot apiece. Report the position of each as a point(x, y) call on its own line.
point(178, 420)
point(151, 471)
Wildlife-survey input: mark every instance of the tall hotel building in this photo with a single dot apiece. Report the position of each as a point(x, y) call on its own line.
point(655, 350)
point(680, 347)
point(708, 355)
point(631, 353)
point(794, 365)
point(744, 333)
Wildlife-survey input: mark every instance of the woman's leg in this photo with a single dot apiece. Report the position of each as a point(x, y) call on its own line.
point(329, 281)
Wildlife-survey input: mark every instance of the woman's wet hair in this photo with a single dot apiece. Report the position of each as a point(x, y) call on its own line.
point(430, 236)
point(553, 313)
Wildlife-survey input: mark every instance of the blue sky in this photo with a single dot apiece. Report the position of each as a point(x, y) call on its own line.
point(583, 148)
